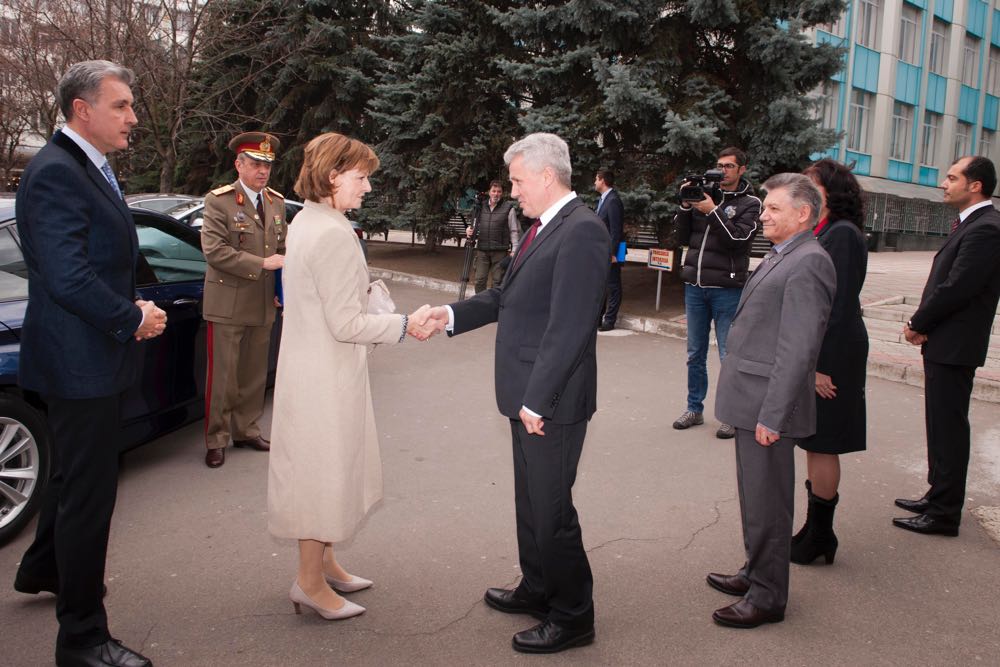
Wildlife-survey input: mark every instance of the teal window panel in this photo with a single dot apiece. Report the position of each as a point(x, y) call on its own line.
point(991, 106)
point(976, 20)
point(929, 176)
point(823, 37)
point(908, 83)
point(862, 162)
point(900, 171)
point(937, 87)
point(968, 104)
point(833, 153)
point(944, 9)
point(995, 37)
point(918, 3)
point(865, 69)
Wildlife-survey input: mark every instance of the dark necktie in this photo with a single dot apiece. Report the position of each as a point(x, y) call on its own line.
point(260, 207)
point(527, 241)
point(954, 224)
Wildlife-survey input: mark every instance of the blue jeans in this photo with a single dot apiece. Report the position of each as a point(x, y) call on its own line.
point(703, 305)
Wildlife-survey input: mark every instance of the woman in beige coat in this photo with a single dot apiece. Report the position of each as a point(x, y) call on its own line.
point(325, 471)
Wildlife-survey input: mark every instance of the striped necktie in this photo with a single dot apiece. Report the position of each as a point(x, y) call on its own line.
point(110, 175)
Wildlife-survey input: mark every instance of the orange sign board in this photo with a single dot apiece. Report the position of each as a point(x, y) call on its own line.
point(660, 259)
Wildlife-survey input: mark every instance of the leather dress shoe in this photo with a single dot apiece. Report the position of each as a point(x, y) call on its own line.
point(509, 602)
point(927, 525)
point(25, 583)
point(258, 443)
point(215, 457)
point(549, 637)
point(606, 326)
point(730, 584)
point(111, 652)
point(745, 615)
point(919, 506)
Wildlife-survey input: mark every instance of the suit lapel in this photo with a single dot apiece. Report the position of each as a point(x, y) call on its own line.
point(543, 234)
point(757, 276)
point(972, 219)
point(95, 174)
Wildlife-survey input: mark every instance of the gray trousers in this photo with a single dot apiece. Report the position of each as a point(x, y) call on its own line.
point(766, 478)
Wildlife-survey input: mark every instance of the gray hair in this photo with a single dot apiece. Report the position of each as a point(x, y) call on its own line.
point(83, 80)
point(541, 150)
point(801, 190)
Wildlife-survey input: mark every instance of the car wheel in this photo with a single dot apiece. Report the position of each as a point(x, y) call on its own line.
point(25, 447)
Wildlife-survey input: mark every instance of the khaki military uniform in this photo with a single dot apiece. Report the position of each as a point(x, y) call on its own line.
point(239, 307)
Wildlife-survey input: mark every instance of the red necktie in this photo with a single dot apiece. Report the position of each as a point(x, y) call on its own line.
point(955, 223)
point(527, 241)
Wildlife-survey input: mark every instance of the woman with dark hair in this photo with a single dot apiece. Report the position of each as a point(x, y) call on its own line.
point(843, 359)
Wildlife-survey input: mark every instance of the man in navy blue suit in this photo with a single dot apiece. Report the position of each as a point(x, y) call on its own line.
point(80, 331)
point(612, 214)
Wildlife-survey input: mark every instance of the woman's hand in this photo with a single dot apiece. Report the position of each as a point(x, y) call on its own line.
point(424, 322)
point(824, 386)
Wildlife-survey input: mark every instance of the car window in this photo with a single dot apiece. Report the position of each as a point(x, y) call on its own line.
point(169, 259)
point(291, 210)
point(13, 271)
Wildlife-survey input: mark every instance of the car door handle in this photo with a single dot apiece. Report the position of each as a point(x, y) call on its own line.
point(184, 302)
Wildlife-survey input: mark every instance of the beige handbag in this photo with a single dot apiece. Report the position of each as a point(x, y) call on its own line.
point(379, 301)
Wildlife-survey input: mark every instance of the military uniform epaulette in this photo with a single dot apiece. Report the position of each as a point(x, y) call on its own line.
point(275, 192)
point(222, 190)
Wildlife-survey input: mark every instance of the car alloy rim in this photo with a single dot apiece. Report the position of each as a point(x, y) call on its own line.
point(19, 463)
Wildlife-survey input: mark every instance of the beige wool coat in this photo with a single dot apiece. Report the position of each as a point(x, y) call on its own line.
point(325, 470)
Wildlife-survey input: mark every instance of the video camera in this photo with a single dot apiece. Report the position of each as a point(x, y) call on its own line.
point(697, 186)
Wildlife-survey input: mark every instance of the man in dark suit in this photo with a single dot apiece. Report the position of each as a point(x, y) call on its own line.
point(952, 324)
point(612, 213)
point(80, 328)
point(766, 390)
point(546, 384)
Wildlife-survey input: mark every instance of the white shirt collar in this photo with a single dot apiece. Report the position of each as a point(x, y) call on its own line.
point(551, 211)
point(94, 155)
point(967, 212)
point(250, 193)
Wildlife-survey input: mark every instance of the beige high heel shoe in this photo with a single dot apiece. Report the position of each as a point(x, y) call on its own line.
point(298, 598)
point(354, 584)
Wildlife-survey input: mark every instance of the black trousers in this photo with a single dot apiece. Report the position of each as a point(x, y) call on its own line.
point(71, 542)
point(947, 392)
point(613, 294)
point(554, 564)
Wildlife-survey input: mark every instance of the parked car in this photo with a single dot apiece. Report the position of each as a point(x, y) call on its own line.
point(193, 214)
point(158, 201)
point(170, 390)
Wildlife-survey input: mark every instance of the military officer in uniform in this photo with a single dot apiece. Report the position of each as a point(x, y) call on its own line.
point(243, 237)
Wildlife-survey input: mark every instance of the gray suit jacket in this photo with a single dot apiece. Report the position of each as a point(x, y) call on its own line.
point(768, 374)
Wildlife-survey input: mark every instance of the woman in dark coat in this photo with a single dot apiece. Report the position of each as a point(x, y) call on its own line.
point(843, 358)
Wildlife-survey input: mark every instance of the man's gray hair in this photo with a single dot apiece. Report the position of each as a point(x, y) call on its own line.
point(801, 190)
point(83, 80)
point(540, 150)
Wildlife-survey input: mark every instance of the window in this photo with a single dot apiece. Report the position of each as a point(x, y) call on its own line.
point(938, 62)
point(168, 258)
point(963, 139)
point(970, 56)
point(899, 136)
point(828, 103)
point(857, 121)
point(986, 143)
point(909, 23)
point(993, 73)
point(929, 138)
point(868, 23)
point(13, 270)
point(836, 28)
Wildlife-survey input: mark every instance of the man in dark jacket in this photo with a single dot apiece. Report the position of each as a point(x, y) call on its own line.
point(497, 234)
point(612, 214)
point(718, 236)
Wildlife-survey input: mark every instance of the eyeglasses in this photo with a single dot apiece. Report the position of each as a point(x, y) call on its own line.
point(727, 166)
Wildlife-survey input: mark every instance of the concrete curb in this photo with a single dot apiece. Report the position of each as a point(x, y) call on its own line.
point(879, 365)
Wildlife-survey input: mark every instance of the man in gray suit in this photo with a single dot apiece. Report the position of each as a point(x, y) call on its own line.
point(766, 390)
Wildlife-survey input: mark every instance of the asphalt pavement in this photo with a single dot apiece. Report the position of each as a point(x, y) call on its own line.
point(195, 579)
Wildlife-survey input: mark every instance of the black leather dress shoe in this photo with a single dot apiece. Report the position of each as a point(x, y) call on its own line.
point(111, 652)
point(605, 326)
point(918, 506)
point(215, 457)
point(258, 443)
point(25, 583)
point(730, 584)
point(549, 637)
point(745, 615)
point(927, 525)
point(509, 602)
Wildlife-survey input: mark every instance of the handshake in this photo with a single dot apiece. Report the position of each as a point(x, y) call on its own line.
point(427, 321)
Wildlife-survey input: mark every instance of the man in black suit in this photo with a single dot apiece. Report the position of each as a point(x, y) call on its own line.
point(82, 322)
point(612, 213)
point(952, 326)
point(546, 384)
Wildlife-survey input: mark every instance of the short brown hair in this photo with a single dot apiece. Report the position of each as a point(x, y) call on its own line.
point(496, 184)
point(328, 155)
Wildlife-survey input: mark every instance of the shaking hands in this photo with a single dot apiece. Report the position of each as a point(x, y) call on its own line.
point(427, 321)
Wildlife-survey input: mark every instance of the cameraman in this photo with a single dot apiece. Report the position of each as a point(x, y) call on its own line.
point(497, 235)
point(716, 265)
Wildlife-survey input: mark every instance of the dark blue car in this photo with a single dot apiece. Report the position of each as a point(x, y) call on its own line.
point(170, 391)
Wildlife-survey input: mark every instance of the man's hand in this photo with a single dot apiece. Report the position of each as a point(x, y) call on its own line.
point(154, 320)
point(277, 302)
point(274, 262)
point(825, 386)
point(425, 322)
point(765, 436)
point(912, 337)
point(614, 259)
point(705, 205)
point(531, 423)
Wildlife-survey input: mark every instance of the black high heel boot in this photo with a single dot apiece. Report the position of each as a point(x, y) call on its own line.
point(797, 537)
point(819, 539)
